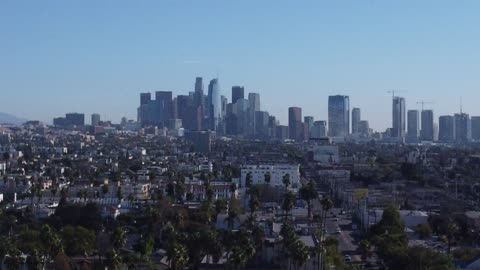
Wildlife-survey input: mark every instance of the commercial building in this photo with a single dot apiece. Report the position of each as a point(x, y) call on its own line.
point(413, 125)
point(463, 132)
point(95, 119)
point(238, 92)
point(446, 131)
point(356, 118)
point(475, 122)
point(427, 132)
point(277, 172)
point(398, 117)
point(295, 126)
point(319, 129)
point(338, 116)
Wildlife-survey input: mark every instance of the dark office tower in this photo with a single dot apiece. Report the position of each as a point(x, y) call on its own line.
point(398, 117)
point(215, 103)
point(309, 120)
point(75, 119)
point(427, 132)
point(198, 94)
point(338, 116)
point(199, 85)
point(295, 125)
point(446, 129)
point(364, 128)
point(355, 120)
point(238, 92)
point(261, 124)
point(145, 98)
point(183, 102)
point(463, 128)
point(475, 123)
point(319, 129)
point(194, 118)
point(224, 106)
point(165, 106)
point(281, 133)
point(413, 125)
point(272, 126)
point(95, 119)
point(253, 106)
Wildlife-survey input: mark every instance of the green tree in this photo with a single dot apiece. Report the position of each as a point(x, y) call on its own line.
point(286, 180)
point(308, 193)
point(253, 204)
point(267, 178)
point(104, 189)
point(248, 180)
point(288, 202)
point(365, 249)
point(78, 240)
point(423, 231)
point(118, 238)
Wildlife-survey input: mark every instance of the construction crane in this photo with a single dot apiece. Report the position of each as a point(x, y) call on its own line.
point(423, 102)
point(395, 91)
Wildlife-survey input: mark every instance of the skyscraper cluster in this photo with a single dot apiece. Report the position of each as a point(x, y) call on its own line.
point(421, 126)
point(243, 116)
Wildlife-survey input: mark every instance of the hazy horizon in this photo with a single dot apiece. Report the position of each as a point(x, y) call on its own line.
point(98, 56)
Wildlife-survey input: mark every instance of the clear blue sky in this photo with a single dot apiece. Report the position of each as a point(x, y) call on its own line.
point(97, 56)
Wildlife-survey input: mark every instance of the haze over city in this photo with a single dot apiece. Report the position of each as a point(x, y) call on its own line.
point(97, 56)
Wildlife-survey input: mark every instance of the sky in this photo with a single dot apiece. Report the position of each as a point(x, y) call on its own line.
point(95, 56)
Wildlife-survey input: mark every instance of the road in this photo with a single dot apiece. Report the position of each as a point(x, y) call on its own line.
point(340, 227)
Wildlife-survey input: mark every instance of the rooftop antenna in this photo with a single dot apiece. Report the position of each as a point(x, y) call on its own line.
point(461, 105)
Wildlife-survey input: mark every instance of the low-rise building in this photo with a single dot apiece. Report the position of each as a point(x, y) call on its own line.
point(277, 172)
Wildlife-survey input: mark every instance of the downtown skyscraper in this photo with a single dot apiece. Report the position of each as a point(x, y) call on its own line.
point(215, 104)
point(398, 117)
point(338, 116)
point(427, 132)
point(413, 125)
point(295, 125)
point(356, 118)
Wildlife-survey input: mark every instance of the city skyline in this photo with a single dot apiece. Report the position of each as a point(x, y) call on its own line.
point(55, 61)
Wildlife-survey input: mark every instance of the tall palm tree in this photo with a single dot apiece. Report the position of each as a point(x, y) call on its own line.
point(118, 238)
point(233, 189)
point(452, 229)
point(308, 193)
point(365, 249)
point(267, 178)
point(327, 204)
point(288, 203)
point(253, 204)
point(286, 180)
point(248, 180)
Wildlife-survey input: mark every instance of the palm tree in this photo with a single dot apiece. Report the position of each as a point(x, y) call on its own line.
point(248, 180)
point(119, 238)
point(300, 253)
point(114, 260)
point(253, 204)
point(365, 249)
point(308, 193)
point(288, 202)
point(233, 189)
point(452, 229)
point(286, 180)
point(327, 204)
point(268, 178)
point(177, 255)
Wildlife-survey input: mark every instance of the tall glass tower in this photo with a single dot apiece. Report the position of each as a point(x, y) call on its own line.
point(338, 116)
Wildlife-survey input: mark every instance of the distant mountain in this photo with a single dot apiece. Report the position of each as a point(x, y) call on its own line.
point(6, 118)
